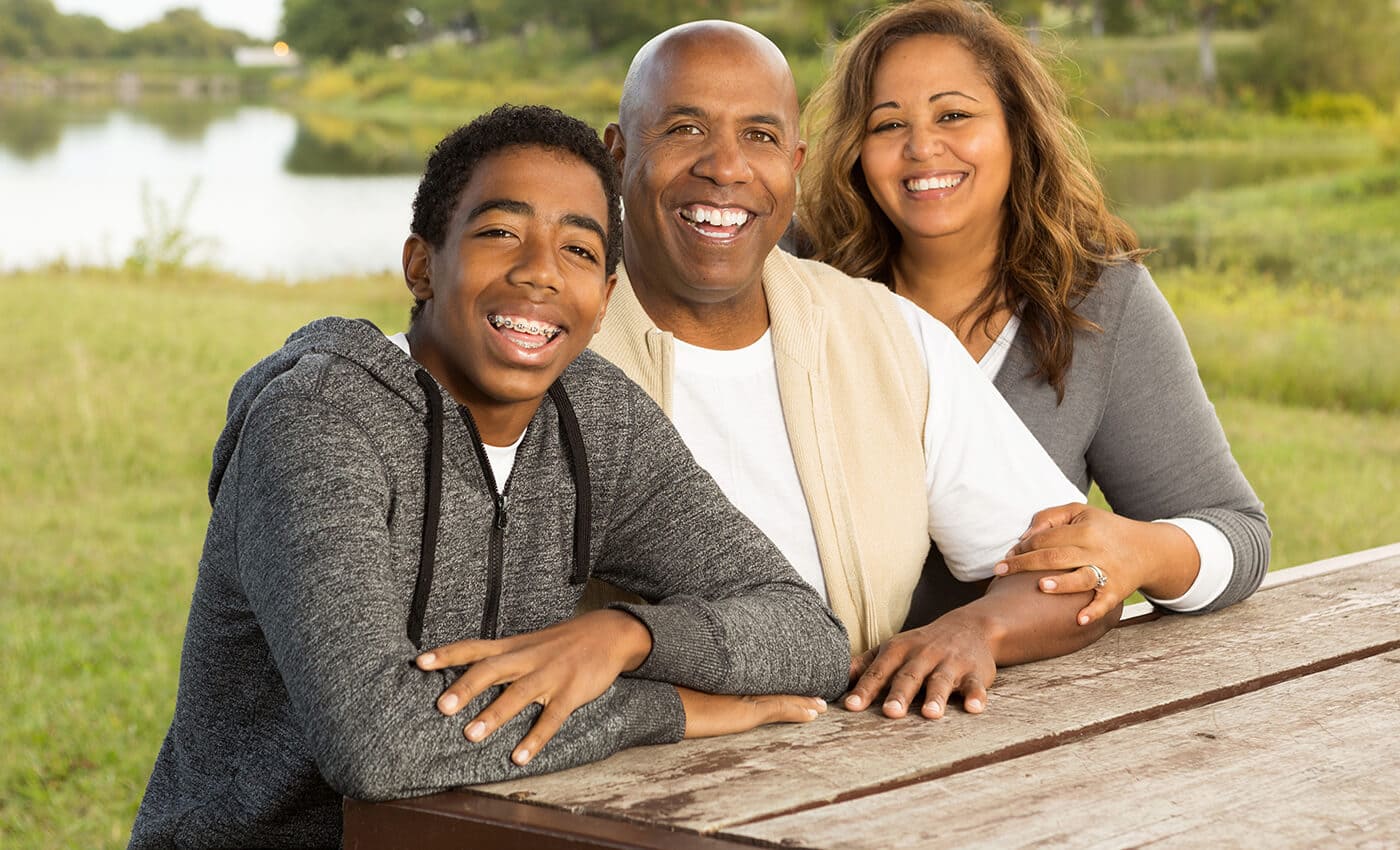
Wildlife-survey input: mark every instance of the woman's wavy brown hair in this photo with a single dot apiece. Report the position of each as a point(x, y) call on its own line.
point(1058, 233)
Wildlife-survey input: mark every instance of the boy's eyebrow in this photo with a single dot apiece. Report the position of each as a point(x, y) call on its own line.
point(587, 222)
point(503, 204)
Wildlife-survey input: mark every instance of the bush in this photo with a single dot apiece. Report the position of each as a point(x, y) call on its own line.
point(1333, 108)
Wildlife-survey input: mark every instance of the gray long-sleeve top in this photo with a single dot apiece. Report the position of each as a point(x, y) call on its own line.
point(296, 682)
point(1136, 420)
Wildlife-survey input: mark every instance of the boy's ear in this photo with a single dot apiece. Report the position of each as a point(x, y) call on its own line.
point(612, 140)
point(417, 267)
point(607, 296)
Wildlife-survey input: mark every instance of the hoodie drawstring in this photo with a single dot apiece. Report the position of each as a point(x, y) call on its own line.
point(432, 509)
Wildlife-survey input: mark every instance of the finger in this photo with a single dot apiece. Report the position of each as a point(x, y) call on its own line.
point(1081, 580)
point(1099, 608)
point(546, 725)
point(859, 663)
point(791, 709)
point(936, 692)
point(974, 694)
point(459, 654)
point(1058, 558)
point(905, 686)
point(1052, 517)
point(473, 683)
point(511, 702)
point(875, 677)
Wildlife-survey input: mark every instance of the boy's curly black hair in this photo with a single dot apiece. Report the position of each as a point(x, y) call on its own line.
point(452, 162)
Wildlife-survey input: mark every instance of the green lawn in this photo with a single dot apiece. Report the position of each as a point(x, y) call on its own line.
point(115, 390)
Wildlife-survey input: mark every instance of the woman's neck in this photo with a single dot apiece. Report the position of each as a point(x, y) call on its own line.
point(945, 276)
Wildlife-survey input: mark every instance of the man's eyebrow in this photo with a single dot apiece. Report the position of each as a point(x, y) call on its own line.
point(890, 104)
point(504, 204)
point(587, 222)
point(689, 111)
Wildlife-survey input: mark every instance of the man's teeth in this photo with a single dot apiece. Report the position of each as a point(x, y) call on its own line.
point(525, 326)
point(713, 215)
point(924, 184)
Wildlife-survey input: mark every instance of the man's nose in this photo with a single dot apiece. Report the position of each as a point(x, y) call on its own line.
point(724, 162)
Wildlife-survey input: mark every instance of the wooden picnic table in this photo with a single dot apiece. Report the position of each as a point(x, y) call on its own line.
point(1275, 723)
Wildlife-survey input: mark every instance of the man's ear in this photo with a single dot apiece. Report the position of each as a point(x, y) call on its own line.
point(799, 155)
point(417, 267)
point(612, 140)
point(607, 296)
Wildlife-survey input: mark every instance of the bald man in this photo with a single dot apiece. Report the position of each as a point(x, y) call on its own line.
point(848, 424)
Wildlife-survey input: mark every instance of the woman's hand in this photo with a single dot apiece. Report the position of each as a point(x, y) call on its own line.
point(953, 653)
point(1158, 558)
point(562, 667)
point(709, 715)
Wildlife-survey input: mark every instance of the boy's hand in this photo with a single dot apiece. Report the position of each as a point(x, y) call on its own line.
point(709, 715)
point(561, 667)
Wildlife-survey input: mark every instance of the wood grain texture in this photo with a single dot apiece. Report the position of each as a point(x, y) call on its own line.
point(1130, 676)
point(1310, 762)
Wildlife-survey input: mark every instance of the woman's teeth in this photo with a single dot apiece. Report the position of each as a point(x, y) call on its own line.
point(924, 184)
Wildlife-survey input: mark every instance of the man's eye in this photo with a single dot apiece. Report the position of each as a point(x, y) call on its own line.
point(762, 136)
point(685, 130)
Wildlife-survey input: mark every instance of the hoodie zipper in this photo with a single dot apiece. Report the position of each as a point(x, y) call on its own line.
point(490, 614)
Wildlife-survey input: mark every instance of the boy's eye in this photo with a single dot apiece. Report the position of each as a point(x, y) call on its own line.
point(495, 233)
point(583, 252)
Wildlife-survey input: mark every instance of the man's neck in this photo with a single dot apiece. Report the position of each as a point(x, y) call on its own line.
point(724, 325)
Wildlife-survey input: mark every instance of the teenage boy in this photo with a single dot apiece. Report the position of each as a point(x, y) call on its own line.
point(455, 487)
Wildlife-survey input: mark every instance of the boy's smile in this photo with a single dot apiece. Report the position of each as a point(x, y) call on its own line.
point(518, 287)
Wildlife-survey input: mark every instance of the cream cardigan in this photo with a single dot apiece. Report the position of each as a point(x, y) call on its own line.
point(854, 391)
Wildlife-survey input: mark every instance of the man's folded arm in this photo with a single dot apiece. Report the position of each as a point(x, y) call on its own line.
point(730, 614)
point(315, 562)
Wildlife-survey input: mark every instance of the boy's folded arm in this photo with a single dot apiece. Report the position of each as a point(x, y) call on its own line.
point(731, 615)
point(314, 560)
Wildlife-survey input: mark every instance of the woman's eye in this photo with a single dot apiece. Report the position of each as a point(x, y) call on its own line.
point(953, 116)
point(885, 126)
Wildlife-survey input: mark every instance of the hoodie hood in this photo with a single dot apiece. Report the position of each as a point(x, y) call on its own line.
point(356, 340)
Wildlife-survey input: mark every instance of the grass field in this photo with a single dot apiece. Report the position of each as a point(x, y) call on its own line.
point(115, 390)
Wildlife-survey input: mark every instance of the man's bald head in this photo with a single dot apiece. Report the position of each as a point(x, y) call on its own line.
point(664, 52)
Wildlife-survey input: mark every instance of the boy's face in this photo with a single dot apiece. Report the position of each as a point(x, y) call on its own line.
point(518, 287)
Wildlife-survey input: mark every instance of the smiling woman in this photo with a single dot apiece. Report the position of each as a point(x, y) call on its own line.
point(949, 170)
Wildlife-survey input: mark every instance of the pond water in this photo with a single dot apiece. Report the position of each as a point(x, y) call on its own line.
point(262, 192)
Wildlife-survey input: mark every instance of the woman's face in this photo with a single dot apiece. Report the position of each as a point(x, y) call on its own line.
point(936, 154)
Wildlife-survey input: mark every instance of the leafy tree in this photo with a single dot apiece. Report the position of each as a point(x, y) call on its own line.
point(181, 32)
point(337, 28)
point(1340, 46)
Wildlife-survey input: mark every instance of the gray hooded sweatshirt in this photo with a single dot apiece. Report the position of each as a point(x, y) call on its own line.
point(355, 521)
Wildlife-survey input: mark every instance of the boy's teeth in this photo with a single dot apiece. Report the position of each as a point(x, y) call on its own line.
point(519, 325)
point(923, 185)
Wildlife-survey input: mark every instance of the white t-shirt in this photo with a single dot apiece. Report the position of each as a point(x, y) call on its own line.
point(502, 458)
point(985, 475)
point(1216, 553)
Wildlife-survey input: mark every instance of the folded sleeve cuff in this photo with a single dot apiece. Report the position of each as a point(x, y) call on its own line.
point(1217, 564)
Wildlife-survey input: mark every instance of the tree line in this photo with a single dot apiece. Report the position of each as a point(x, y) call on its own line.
point(35, 30)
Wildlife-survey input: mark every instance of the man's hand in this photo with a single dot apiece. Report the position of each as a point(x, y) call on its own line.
point(1157, 557)
point(562, 667)
point(953, 653)
point(709, 715)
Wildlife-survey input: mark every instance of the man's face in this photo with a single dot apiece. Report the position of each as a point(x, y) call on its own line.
point(519, 286)
point(709, 154)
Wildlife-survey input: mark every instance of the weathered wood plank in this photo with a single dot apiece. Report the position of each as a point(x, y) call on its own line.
point(1132, 675)
point(1310, 762)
